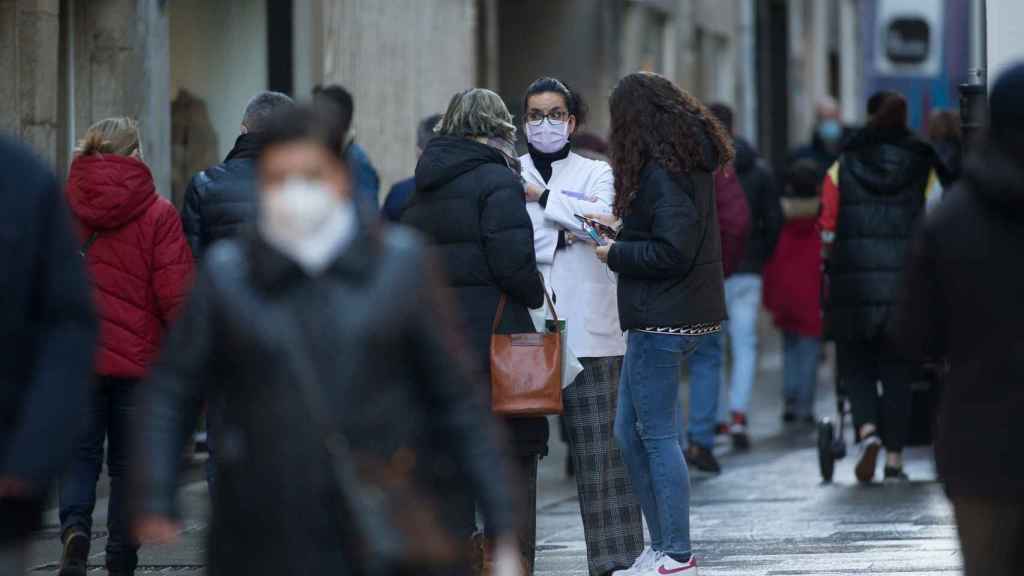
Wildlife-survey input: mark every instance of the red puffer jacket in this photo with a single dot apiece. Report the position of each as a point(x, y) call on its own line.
point(792, 279)
point(139, 261)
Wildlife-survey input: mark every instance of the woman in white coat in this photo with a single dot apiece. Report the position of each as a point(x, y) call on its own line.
point(561, 185)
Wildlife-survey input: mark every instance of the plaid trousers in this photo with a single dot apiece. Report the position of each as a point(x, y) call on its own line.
point(612, 521)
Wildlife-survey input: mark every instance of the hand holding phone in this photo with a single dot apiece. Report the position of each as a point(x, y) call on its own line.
point(594, 235)
point(601, 228)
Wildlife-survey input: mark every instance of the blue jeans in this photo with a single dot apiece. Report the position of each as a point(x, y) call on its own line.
point(108, 418)
point(800, 372)
point(705, 384)
point(647, 428)
point(743, 300)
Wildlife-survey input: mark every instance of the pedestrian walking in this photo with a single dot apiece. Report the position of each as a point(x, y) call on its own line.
point(399, 195)
point(347, 397)
point(469, 201)
point(666, 147)
point(792, 290)
point(871, 200)
point(48, 338)
point(947, 139)
point(709, 355)
point(141, 267)
point(221, 203)
point(364, 175)
point(828, 138)
point(743, 289)
point(561, 186)
point(962, 304)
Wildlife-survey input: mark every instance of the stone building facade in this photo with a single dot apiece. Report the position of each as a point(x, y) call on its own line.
point(68, 63)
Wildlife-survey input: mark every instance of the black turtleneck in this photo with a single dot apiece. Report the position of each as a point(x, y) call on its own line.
point(543, 161)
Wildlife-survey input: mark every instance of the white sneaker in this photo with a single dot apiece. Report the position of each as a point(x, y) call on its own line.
point(666, 566)
point(643, 563)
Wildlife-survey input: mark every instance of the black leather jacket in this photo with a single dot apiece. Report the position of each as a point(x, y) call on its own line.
point(669, 253)
point(373, 331)
point(221, 201)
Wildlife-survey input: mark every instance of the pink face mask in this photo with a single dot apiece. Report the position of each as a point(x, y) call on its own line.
point(547, 137)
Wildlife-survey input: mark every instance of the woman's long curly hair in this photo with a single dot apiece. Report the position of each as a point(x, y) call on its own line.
point(653, 120)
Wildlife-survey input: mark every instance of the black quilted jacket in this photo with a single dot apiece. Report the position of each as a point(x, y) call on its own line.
point(222, 200)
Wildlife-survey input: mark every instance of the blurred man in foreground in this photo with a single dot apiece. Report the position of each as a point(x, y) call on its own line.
point(47, 338)
point(345, 397)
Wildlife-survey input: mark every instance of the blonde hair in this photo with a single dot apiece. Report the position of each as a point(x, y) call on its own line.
point(477, 112)
point(111, 136)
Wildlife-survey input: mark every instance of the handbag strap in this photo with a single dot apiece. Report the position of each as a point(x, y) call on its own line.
point(88, 243)
point(504, 299)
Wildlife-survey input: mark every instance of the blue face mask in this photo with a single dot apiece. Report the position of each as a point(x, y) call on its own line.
point(830, 131)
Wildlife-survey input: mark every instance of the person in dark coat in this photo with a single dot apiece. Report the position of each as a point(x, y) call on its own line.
point(666, 147)
point(348, 397)
point(962, 304)
point(871, 199)
point(743, 289)
point(401, 192)
point(221, 200)
point(828, 138)
point(48, 338)
point(364, 175)
point(141, 268)
point(707, 359)
point(220, 203)
point(945, 135)
point(470, 203)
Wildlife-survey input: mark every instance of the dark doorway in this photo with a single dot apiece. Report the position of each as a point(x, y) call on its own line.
point(280, 59)
point(773, 85)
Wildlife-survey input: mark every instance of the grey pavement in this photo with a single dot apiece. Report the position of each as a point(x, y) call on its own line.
point(768, 513)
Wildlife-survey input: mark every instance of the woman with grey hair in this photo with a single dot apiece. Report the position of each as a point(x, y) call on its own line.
point(469, 201)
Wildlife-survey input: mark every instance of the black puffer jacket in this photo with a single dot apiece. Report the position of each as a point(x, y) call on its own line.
point(373, 334)
point(766, 219)
point(882, 182)
point(669, 253)
point(962, 303)
point(220, 201)
point(470, 204)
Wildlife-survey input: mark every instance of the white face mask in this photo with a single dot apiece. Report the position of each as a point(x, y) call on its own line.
point(547, 137)
point(306, 221)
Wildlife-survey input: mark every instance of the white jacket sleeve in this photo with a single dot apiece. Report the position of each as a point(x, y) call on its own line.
point(595, 196)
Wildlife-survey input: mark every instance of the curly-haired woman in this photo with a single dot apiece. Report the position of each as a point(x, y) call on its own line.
point(665, 148)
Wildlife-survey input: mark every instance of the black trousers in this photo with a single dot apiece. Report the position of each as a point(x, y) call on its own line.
point(866, 362)
point(991, 534)
point(464, 510)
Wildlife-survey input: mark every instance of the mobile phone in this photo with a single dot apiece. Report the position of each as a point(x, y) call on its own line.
point(600, 227)
point(597, 238)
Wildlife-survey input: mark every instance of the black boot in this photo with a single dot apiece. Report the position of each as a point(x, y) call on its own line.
point(702, 458)
point(74, 561)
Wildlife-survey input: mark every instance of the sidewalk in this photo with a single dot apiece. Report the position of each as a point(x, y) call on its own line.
point(767, 514)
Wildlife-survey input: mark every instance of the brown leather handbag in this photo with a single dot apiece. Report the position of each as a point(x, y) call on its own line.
point(526, 369)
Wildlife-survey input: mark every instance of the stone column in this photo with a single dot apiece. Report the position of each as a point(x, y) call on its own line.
point(29, 33)
point(122, 69)
point(402, 60)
